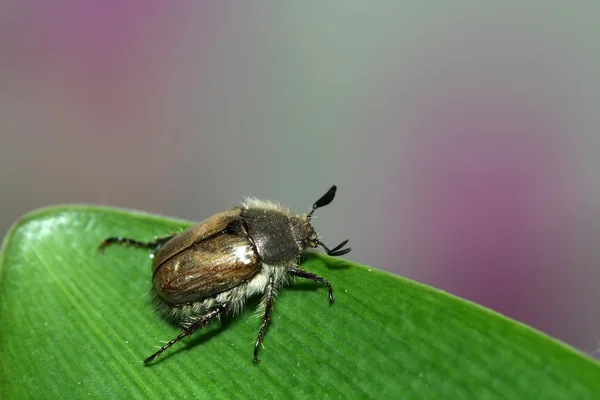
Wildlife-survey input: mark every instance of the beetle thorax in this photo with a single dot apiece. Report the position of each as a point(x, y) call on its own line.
point(279, 236)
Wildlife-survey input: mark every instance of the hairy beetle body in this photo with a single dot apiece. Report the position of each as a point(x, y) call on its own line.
point(227, 258)
point(213, 267)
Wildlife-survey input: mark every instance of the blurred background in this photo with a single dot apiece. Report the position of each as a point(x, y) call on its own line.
point(463, 138)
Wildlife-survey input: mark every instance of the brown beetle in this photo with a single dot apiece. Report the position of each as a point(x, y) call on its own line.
point(213, 267)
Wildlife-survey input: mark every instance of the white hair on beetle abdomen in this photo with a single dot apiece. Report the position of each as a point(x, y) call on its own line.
point(235, 298)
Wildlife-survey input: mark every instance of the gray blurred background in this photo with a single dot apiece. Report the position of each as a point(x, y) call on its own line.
point(463, 137)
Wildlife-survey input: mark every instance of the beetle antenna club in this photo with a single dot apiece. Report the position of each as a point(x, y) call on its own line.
point(337, 250)
point(212, 268)
point(323, 201)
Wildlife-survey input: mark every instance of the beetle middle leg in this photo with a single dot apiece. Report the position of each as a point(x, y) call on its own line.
point(214, 313)
point(315, 278)
point(154, 245)
point(266, 316)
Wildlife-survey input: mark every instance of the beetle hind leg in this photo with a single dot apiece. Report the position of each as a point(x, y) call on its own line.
point(189, 330)
point(266, 316)
point(154, 246)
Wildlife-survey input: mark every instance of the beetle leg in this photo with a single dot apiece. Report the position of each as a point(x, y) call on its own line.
point(266, 316)
point(188, 331)
point(315, 278)
point(154, 246)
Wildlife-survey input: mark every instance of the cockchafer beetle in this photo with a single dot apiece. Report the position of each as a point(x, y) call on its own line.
point(212, 268)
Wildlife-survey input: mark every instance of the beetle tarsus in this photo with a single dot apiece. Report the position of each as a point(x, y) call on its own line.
point(266, 317)
point(315, 278)
point(154, 246)
point(188, 331)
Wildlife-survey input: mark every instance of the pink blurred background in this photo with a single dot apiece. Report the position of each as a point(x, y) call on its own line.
point(464, 139)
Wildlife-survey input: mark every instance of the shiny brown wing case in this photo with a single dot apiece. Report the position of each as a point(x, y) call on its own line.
point(197, 233)
point(204, 260)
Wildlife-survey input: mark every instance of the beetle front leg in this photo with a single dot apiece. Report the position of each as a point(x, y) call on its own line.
point(154, 246)
point(315, 278)
point(266, 316)
point(189, 330)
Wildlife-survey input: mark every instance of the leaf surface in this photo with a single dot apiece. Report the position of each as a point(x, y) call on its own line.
point(76, 324)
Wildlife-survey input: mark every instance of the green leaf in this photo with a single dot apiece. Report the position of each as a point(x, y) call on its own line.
point(75, 324)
